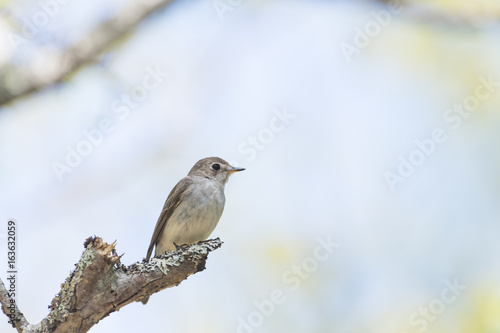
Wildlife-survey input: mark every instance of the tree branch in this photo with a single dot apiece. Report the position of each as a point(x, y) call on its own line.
point(18, 81)
point(9, 307)
point(100, 285)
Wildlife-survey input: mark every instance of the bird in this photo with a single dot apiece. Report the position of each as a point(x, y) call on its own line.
point(193, 207)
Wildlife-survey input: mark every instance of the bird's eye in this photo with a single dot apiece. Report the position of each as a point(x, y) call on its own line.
point(216, 166)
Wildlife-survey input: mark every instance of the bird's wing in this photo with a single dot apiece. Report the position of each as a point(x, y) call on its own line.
point(175, 197)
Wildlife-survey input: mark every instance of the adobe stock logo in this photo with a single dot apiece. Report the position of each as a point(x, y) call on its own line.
point(255, 143)
point(222, 7)
point(293, 278)
point(122, 108)
point(39, 19)
point(372, 29)
point(425, 148)
point(426, 315)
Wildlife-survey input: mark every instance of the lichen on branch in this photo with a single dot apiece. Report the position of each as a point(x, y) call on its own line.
point(100, 284)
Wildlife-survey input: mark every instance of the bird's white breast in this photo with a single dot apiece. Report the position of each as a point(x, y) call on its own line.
point(196, 216)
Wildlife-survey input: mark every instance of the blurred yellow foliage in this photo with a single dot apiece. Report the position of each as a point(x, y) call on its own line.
point(279, 253)
point(486, 8)
point(483, 314)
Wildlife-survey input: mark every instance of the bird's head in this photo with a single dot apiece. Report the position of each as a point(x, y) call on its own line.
point(213, 168)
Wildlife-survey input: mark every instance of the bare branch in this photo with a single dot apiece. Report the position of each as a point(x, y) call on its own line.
point(100, 285)
point(9, 307)
point(17, 81)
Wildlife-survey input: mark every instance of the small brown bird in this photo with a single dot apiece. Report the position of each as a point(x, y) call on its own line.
point(193, 207)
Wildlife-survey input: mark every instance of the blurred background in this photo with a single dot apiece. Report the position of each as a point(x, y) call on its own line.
point(369, 132)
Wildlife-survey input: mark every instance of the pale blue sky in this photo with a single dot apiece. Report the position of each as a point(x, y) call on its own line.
point(321, 174)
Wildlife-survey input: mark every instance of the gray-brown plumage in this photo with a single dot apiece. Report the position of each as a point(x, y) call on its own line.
point(193, 207)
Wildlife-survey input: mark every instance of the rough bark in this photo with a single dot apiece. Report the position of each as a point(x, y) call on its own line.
point(100, 285)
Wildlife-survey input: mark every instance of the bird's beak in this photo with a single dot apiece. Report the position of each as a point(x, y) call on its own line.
point(234, 169)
